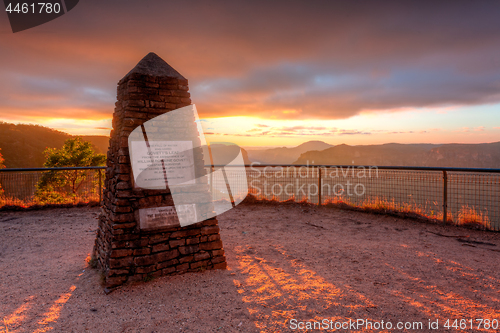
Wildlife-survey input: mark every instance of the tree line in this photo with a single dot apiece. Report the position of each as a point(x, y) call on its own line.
point(63, 186)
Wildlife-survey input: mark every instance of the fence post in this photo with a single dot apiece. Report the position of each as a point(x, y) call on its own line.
point(100, 188)
point(319, 187)
point(445, 196)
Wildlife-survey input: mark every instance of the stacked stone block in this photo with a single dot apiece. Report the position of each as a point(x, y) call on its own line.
point(125, 252)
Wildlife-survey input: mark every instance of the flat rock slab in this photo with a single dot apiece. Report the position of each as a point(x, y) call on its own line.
point(285, 262)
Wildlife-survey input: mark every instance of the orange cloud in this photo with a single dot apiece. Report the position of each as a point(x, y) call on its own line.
point(281, 60)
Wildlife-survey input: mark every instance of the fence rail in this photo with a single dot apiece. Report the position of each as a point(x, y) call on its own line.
point(40, 186)
point(458, 195)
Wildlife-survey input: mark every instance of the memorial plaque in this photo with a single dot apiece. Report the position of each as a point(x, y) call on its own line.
point(168, 216)
point(155, 162)
point(186, 214)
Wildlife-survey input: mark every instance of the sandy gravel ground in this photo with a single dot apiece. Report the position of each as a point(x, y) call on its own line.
point(285, 263)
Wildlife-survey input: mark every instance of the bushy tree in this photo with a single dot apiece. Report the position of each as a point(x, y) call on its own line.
point(56, 186)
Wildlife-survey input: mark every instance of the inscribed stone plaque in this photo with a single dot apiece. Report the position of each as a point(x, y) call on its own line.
point(154, 163)
point(168, 216)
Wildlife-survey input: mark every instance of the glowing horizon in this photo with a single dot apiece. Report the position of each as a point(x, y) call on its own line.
point(405, 126)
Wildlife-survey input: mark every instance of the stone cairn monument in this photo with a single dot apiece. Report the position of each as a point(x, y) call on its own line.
point(124, 249)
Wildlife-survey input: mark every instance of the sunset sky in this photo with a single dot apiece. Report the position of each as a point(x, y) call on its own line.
point(274, 73)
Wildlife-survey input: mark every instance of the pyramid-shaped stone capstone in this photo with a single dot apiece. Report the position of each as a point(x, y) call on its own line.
point(153, 65)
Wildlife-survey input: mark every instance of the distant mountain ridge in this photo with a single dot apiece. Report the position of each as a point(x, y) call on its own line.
point(483, 155)
point(225, 154)
point(285, 155)
point(22, 145)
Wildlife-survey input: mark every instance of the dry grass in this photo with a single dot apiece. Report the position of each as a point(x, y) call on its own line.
point(467, 217)
point(10, 203)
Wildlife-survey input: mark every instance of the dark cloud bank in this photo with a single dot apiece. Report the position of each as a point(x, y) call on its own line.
point(319, 59)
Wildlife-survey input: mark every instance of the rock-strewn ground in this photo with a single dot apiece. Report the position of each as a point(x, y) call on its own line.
point(285, 262)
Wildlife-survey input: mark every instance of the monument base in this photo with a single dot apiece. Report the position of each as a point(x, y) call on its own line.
point(148, 254)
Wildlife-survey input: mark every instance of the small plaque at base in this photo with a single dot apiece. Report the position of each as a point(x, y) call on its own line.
point(168, 216)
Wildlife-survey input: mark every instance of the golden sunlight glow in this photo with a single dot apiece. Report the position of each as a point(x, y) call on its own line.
point(10, 323)
point(406, 125)
point(72, 126)
point(55, 310)
point(451, 304)
point(292, 286)
point(14, 320)
point(278, 290)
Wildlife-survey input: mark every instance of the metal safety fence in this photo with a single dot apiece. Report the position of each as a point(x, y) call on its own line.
point(458, 195)
point(464, 196)
point(41, 186)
